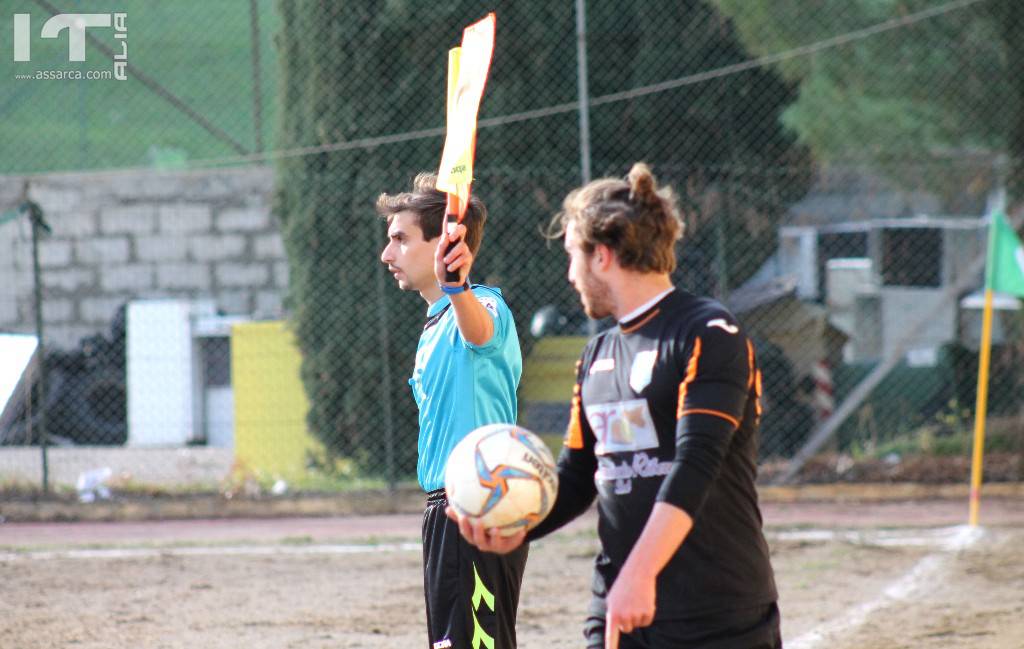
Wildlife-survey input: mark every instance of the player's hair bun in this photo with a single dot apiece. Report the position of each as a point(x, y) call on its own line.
point(643, 190)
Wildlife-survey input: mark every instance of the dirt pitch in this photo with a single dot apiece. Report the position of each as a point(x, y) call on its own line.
point(864, 576)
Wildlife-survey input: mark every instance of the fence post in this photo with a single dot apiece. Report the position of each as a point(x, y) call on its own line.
point(35, 217)
point(583, 90)
point(583, 96)
point(257, 92)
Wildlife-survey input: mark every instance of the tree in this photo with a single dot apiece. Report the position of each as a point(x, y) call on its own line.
point(719, 142)
point(365, 68)
point(341, 79)
point(944, 84)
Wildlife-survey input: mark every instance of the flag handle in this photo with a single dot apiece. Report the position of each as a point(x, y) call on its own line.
point(451, 221)
point(981, 409)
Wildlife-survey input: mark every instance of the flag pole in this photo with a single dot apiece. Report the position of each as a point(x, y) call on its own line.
point(981, 408)
point(981, 402)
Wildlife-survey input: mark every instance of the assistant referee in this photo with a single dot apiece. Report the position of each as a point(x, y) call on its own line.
point(468, 366)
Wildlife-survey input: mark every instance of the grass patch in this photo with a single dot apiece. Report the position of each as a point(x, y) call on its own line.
point(198, 51)
point(1003, 435)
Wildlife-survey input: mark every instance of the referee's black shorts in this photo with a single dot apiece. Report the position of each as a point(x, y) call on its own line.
point(753, 628)
point(472, 596)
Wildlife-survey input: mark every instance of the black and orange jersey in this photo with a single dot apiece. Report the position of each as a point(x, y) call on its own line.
point(666, 408)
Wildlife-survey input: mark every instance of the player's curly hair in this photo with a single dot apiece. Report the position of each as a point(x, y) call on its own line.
point(634, 217)
point(428, 203)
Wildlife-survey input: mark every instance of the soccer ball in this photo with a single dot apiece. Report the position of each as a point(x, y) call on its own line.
point(502, 475)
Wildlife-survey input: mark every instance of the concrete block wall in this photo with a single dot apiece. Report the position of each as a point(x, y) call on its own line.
point(123, 236)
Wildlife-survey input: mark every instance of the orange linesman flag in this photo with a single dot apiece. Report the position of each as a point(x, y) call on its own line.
point(467, 75)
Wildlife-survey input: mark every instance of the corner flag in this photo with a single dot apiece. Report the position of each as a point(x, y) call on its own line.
point(1004, 272)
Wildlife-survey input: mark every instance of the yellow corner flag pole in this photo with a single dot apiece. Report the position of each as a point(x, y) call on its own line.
point(1004, 272)
point(981, 407)
point(981, 403)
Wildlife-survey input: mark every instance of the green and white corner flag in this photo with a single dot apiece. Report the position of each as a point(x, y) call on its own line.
point(1004, 272)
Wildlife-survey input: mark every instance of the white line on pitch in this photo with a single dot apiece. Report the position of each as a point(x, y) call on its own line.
point(938, 537)
point(923, 572)
point(206, 551)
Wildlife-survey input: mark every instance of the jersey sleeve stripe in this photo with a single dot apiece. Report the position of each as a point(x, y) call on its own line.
point(716, 413)
point(574, 433)
point(757, 393)
point(750, 365)
point(691, 374)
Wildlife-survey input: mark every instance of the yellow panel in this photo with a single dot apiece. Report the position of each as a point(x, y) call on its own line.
point(270, 405)
point(549, 372)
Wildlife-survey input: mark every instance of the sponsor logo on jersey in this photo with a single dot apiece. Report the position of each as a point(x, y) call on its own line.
point(640, 372)
point(622, 475)
point(602, 365)
point(443, 644)
point(622, 426)
point(723, 325)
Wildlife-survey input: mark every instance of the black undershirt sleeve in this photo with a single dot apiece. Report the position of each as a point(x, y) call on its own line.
point(701, 444)
point(576, 492)
point(576, 463)
point(712, 399)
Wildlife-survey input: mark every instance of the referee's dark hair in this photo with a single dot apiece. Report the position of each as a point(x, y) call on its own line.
point(428, 203)
point(635, 218)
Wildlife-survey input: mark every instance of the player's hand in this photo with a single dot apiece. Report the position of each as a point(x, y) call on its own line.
point(630, 605)
point(487, 540)
point(460, 259)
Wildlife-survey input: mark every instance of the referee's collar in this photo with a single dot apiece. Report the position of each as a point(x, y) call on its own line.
point(438, 306)
point(644, 308)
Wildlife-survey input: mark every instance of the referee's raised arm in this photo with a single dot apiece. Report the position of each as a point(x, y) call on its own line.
point(474, 323)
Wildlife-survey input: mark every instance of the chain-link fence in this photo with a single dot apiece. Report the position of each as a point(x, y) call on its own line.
point(206, 266)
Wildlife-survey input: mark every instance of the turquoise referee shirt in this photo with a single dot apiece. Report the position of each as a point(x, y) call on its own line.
point(460, 386)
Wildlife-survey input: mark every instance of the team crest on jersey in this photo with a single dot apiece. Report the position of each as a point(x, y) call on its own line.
point(622, 426)
point(491, 304)
point(640, 372)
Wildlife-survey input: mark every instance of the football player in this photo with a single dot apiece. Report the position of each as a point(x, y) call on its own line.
point(663, 432)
